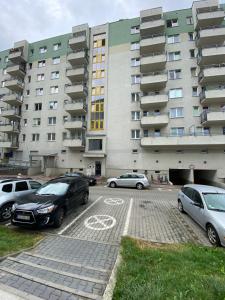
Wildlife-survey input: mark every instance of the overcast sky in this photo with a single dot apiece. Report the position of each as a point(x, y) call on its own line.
point(35, 20)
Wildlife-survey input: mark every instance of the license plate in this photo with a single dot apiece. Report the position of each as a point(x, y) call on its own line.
point(22, 217)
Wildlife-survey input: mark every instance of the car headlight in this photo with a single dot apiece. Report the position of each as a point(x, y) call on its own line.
point(46, 210)
point(14, 206)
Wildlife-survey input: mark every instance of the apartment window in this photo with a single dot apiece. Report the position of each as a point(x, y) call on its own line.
point(196, 111)
point(27, 92)
point(39, 92)
point(40, 77)
point(3, 84)
point(135, 79)
point(41, 63)
point(4, 72)
point(135, 62)
point(135, 97)
point(53, 104)
point(174, 74)
point(145, 132)
point(135, 134)
point(135, 46)
point(189, 20)
point(194, 72)
point(6, 59)
point(176, 112)
point(177, 131)
point(36, 121)
point(192, 53)
point(35, 137)
point(174, 56)
point(29, 79)
point(175, 93)
point(51, 136)
point(56, 46)
point(38, 106)
point(54, 89)
point(56, 60)
point(24, 137)
point(65, 119)
point(157, 133)
point(172, 23)
point(223, 130)
point(194, 91)
point(51, 120)
point(172, 39)
point(191, 36)
point(135, 115)
point(30, 66)
point(135, 29)
point(55, 75)
point(203, 131)
point(43, 49)
point(26, 106)
point(95, 144)
point(24, 122)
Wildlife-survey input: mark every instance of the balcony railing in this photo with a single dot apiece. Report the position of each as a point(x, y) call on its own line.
point(208, 9)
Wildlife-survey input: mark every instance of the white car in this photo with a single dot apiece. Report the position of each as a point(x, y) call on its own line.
point(139, 181)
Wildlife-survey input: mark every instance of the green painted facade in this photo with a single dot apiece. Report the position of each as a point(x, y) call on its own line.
point(3, 55)
point(181, 16)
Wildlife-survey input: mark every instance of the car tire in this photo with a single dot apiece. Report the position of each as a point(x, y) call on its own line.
point(112, 184)
point(85, 198)
point(58, 219)
point(180, 206)
point(139, 186)
point(213, 235)
point(5, 212)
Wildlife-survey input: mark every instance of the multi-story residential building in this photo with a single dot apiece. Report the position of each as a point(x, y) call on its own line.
point(145, 94)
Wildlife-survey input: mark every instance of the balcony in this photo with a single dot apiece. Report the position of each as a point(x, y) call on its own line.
point(209, 16)
point(154, 121)
point(153, 81)
point(72, 125)
point(79, 42)
point(155, 43)
point(153, 62)
point(11, 114)
point(213, 35)
point(214, 96)
point(209, 118)
point(151, 101)
point(76, 91)
point(14, 85)
point(8, 144)
point(151, 27)
point(77, 58)
point(76, 74)
point(9, 128)
point(16, 56)
point(16, 70)
point(13, 99)
point(212, 55)
point(212, 74)
point(73, 107)
point(75, 143)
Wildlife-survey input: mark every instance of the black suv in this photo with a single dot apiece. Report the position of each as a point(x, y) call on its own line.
point(50, 203)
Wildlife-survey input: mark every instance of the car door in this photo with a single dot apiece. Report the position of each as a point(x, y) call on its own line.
point(123, 180)
point(21, 188)
point(186, 198)
point(198, 211)
point(74, 194)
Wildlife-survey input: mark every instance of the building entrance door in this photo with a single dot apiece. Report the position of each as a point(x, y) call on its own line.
point(98, 168)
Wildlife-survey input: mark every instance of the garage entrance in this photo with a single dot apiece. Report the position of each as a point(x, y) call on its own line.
point(180, 176)
point(204, 176)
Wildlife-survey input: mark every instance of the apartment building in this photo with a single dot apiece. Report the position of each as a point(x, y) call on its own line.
point(145, 94)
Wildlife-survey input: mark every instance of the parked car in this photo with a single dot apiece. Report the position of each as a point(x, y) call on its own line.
point(139, 181)
point(206, 205)
point(91, 179)
point(10, 190)
point(49, 204)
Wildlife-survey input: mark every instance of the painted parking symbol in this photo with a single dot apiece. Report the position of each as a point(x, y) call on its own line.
point(114, 201)
point(100, 222)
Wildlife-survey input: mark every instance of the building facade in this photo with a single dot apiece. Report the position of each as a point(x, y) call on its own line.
point(144, 94)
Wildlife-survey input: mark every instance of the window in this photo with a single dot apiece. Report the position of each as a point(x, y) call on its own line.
point(39, 92)
point(191, 36)
point(21, 186)
point(53, 104)
point(27, 92)
point(135, 29)
point(177, 131)
point(135, 115)
point(135, 46)
point(26, 106)
point(194, 72)
point(24, 122)
point(134, 151)
point(36, 122)
point(135, 134)
point(194, 91)
point(192, 53)
point(51, 136)
point(54, 89)
point(95, 144)
point(175, 93)
point(7, 188)
point(3, 84)
point(29, 79)
point(157, 132)
point(40, 77)
point(196, 111)
point(135, 97)
point(223, 130)
point(56, 46)
point(43, 49)
point(55, 75)
point(38, 106)
point(172, 39)
point(56, 60)
point(30, 66)
point(174, 56)
point(145, 132)
point(189, 20)
point(35, 137)
point(174, 74)
point(6, 59)
point(34, 185)
point(172, 23)
point(135, 79)
point(51, 120)
point(24, 137)
point(4, 72)
point(176, 112)
point(135, 62)
point(41, 63)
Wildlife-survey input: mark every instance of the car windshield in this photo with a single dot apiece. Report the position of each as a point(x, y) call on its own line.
point(57, 188)
point(215, 201)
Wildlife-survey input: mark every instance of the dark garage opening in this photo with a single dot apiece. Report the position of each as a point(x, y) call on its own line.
point(179, 176)
point(204, 176)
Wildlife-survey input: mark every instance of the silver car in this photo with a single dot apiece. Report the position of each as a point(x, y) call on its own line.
point(139, 181)
point(206, 205)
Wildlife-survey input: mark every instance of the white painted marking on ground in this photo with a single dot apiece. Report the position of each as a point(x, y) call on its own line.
point(114, 201)
point(126, 226)
point(80, 215)
point(100, 222)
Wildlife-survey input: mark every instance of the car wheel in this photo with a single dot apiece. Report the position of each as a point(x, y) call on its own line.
point(5, 212)
point(139, 186)
point(213, 235)
point(180, 206)
point(59, 216)
point(112, 184)
point(85, 198)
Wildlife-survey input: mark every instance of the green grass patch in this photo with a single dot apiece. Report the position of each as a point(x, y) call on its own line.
point(184, 271)
point(12, 240)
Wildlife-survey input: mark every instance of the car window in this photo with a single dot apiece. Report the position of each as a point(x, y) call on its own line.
point(123, 176)
point(133, 176)
point(21, 186)
point(188, 192)
point(34, 185)
point(141, 176)
point(7, 188)
point(196, 197)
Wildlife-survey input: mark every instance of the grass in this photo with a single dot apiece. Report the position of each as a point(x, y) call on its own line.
point(185, 271)
point(13, 240)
